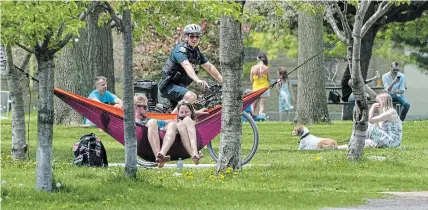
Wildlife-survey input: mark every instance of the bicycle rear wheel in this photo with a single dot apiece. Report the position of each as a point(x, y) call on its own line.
point(255, 140)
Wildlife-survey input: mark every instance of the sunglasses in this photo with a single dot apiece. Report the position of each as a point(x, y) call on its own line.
point(194, 36)
point(145, 107)
point(396, 70)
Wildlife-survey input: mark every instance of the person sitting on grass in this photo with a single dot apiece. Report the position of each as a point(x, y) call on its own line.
point(385, 129)
point(153, 127)
point(101, 94)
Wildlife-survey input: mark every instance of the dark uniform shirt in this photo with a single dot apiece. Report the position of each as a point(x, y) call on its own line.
point(180, 53)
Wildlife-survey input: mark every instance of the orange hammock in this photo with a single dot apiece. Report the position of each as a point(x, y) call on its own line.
point(110, 119)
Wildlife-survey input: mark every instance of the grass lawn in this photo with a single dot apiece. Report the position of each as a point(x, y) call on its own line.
point(293, 180)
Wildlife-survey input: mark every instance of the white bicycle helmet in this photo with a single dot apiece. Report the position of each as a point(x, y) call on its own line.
point(192, 29)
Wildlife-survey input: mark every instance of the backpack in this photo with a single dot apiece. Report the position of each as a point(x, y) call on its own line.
point(89, 150)
point(334, 97)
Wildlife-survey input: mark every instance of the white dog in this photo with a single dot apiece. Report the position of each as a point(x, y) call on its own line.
point(308, 141)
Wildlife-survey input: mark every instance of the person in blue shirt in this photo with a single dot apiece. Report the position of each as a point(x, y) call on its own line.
point(181, 69)
point(395, 85)
point(103, 95)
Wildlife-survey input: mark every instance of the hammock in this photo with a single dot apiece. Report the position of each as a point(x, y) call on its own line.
point(110, 119)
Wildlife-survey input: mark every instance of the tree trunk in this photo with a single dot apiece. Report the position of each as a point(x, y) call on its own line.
point(19, 146)
point(311, 97)
point(128, 98)
point(45, 119)
point(366, 51)
point(101, 48)
point(231, 62)
point(356, 143)
point(77, 66)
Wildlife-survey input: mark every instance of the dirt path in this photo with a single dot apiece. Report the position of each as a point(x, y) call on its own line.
point(400, 201)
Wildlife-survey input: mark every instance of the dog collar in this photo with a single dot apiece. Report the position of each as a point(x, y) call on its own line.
point(304, 136)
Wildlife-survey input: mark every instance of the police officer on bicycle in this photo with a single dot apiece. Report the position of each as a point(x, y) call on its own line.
point(180, 68)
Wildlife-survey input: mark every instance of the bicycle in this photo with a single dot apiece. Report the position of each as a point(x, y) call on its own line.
point(208, 99)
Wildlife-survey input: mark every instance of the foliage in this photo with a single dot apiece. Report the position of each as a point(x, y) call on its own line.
point(158, 27)
point(26, 22)
point(272, 29)
point(397, 37)
point(292, 180)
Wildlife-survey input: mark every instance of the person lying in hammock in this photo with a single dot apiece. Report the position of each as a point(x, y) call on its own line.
point(153, 126)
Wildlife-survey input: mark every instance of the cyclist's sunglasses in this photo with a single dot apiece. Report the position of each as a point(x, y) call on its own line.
point(192, 36)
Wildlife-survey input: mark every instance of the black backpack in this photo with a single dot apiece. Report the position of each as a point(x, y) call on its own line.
point(89, 150)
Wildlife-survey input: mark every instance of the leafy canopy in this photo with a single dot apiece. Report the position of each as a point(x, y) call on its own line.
point(28, 22)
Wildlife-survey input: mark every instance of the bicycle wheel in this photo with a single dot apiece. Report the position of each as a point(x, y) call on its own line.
point(253, 150)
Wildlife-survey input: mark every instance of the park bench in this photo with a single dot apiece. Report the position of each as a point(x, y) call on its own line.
point(347, 107)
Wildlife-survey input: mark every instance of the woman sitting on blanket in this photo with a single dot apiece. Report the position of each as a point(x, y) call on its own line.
point(388, 132)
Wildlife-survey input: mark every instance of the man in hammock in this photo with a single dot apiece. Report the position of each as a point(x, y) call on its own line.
point(153, 127)
point(181, 67)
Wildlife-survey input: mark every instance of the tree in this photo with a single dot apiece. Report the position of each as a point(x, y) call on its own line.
point(353, 39)
point(408, 35)
point(128, 98)
point(231, 61)
point(30, 26)
point(89, 55)
point(124, 25)
point(19, 146)
point(400, 12)
point(311, 106)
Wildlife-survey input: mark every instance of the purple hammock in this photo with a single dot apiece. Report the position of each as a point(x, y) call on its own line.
point(110, 119)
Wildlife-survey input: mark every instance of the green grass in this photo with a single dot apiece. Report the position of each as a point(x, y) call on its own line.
point(294, 179)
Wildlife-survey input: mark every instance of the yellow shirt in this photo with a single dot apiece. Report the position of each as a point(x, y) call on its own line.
point(260, 82)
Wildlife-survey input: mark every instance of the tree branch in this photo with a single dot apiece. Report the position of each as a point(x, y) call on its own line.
point(25, 48)
point(345, 23)
point(117, 20)
point(329, 12)
point(25, 62)
point(412, 11)
point(61, 28)
point(382, 9)
point(82, 16)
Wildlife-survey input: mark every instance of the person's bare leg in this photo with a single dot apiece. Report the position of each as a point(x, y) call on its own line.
point(184, 136)
point(190, 96)
point(169, 137)
point(287, 115)
point(280, 116)
point(153, 135)
point(254, 106)
point(191, 130)
point(262, 105)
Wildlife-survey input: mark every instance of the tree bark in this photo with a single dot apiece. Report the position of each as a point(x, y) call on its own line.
point(77, 66)
point(45, 119)
point(356, 143)
point(311, 102)
point(19, 146)
point(128, 98)
point(231, 62)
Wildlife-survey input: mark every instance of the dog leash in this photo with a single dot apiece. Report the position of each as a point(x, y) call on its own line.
point(316, 55)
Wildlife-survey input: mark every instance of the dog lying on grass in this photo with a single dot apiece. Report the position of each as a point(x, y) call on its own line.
point(308, 141)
